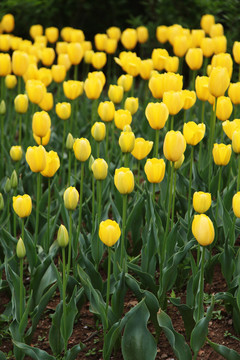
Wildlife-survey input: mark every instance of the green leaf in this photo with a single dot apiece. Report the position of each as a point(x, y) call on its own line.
point(14, 283)
point(55, 338)
point(72, 353)
point(137, 341)
point(34, 353)
point(24, 319)
point(2, 356)
point(94, 275)
point(176, 340)
point(227, 353)
point(200, 331)
point(118, 296)
point(187, 315)
point(71, 312)
point(227, 260)
point(147, 279)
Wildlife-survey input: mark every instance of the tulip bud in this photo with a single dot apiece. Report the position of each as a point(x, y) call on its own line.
point(201, 85)
point(41, 123)
point(230, 126)
point(236, 141)
point(206, 22)
point(72, 89)
point(203, 229)
point(42, 140)
point(114, 33)
point(47, 102)
point(100, 169)
point(91, 161)
point(75, 52)
point(52, 164)
point(201, 201)
point(8, 23)
point(71, 197)
point(124, 180)
point(162, 33)
point(109, 232)
point(52, 34)
point(36, 158)
point(216, 30)
point(7, 186)
point(224, 108)
point(93, 88)
point(2, 107)
point(194, 58)
point(234, 93)
point(236, 52)
point(129, 38)
point(58, 73)
point(99, 60)
point(1, 202)
point(14, 180)
point(22, 205)
point(174, 145)
point(106, 111)
point(125, 81)
point(221, 154)
point(115, 93)
point(159, 57)
point(62, 236)
point(82, 149)
point(98, 131)
point(69, 141)
point(126, 141)
point(21, 103)
point(155, 170)
point(100, 41)
point(174, 101)
point(10, 81)
point(131, 104)
point(157, 115)
point(36, 30)
point(218, 81)
point(189, 98)
point(63, 110)
point(142, 34)
point(47, 56)
point(20, 250)
point(178, 163)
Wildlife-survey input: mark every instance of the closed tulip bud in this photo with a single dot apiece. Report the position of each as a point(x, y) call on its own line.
point(21, 103)
point(70, 198)
point(206, 22)
point(173, 31)
point(52, 34)
point(197, 35)
point(201, 85)
point(5, 64)
point(171, 64)
point(145, 68)
point(14, 180)
point(141, 148)
point(61, 47)
point(47, 56)
point(99, 60)
point(88, 56)
point(201, 201)
point(189, 99)
point(236, 52)
point(100, 169)
point(20, 249)
point(8, 23)
point(178, 163)
point(236, 141)
point(75, 53)
point(100, 41)
point(157, 115)
point(125, 81)
point(72, 89)
point(1, 202)
point(180, 45)
point(93, 88)
point(91, 161)
point(174, 145)
point(236, 204)
point(111, 46)
point(45, 76)
point(66, 33)
point(124, 180)
point(230, 126)
point(156, 85)
point(77, 35)
point(126, 141)
point(7, 186)
point(41, 123)
point(20, 62)
point(219, 81)
point(62, 236)
point(47, 102)
point(203, 229)
point(221, 154)
point(155, 170)
point(174, 101)
point(193, 132)
point(162, 34)
point(52, 164)
point(234, 93)
point(36, 158)
point(98, 131)
point(115, 93)
point(69, 141)
point(131, 104)
point(207, 46)
point(109, 232)
point(158, 57)
point(106, 110)
point(42, 140)
point(114, 33)
point(122, 118)
point(35, 90)
point(142, 34)
point(194, 58)
point(58, 73)
point(216, 30)
point(223, 60)
point(10, 81)
point(2, 107)
point(36, 30)
point(63, 59)
point(63, 110)
point(129, 38)
point(82, 149)
point(224, 108)
point(220, 44)
point(5, 42)
point(16, 153)
point(22, 205)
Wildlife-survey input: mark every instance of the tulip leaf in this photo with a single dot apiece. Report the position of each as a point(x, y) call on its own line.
point(147, 279)
point(16, 336)
point(8, 242)
point(72, 353)
point(34, 353)
point(226, 259)
point(71, 312)
point(2, 356)
point(118, 296)
point(227, 198)
point(32, 257)
point(14, 284)
point(137, 341)
point(227, 353)
point(176, 340)
point(24, 319)
point(186, 313)
point(200, 331)
point(92, 273)
point(55, 337)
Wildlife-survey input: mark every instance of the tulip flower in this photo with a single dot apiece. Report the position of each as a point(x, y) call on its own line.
point(201, 201)
point(224, 108)
point(206, 23)
point(234, 94)
point(35, 90)
point(10, 81)
point(47, 56)
point(62, 236)
point(194, 58)
point(22, 205)
point(47, 102)
point(7, 23)
point(221, 154)
point(41, 123)
point(126, 141)
point(93, 88)
point(193, 132)
point(52, 34)
point(129, 38)
point(106, 111)
point(122, 118)
point(100, 168)
point(5, 64)
point(230, 126)
point(207, 46)
point(20, 62)
point(125, 81)
point(58, 73)
point(115, 93)
point(71, 197)
point(158, 57)
point(131, 104)
point(72, 89)
point(155, 170)
point(16, 153)
point(162, 33)
point(180, 45)
point(99, 60)
point(114, 33)
point(219, 81)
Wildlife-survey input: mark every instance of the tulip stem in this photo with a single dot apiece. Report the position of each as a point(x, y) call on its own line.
point(168, 215)
point(190, 184)
point(107, 137)
point(37, 205)
point(81, 200)
point(98, 149)
point(21, 289)
point(126, 160)
point(218, 191)
point(238, 177)
point(123, 228)
point(201, 283)
point(20, 129)
point(48, 215)
point(212, 130)
point(14, 220)
point(99, 200)
point(193, 79)
point(69, 244)
point(108, 281)
point(93, 203)
point(75, 171)
point(174, 195)
point(63, 139)
point(201, 143)
point(64, 297)
point(235, 111)
point(153, 191)
point(71, 117)
point(69, 166)
point(156, 143)
point(75, 72)
point(138, 173)
point(171, 123)
point(2, 143)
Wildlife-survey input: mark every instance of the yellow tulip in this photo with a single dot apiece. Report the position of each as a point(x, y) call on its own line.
point(82, 149)
point(77, 35)
point(52, 34)
point(36, 158)
point(111, 46)
point(47, 102)
point(106, 110)
point(52, 164)
point(193, 132)
point(162, 34)
point(93, 88)
point(35, 90)
point(72, 89)
point(171, 64)
point(203, 229)
point(124, 180)
point(66, 33)
point(114, 33)
point(36, 30)
point(131, 104)
point(234, 93)
point(236, 141)
point(223, 60)
point(219, 81)
point(207, 21)
point(155, 170)
point(88, 56)
point(99, 60)
point(58, 73)
point(216, 30)
point(100, 169)
point(97, 75)
point(98, 131)
point(141, 148)
point(158, 57)
point(62, 236)
point(126, 141)
point(224, 108)
point(8, 23)
point(70, 198)
point(20, 249)
point(122, 118)
point(21, 103)
point(157, 115)
point(145, 68)
point(42, 140)
point(230, 126)
point(221, 154)
point(201, 85)
point(189, 99)
point(174, 145)
point(41, 123)
point(236, 52)
point(45, 76)
point(63, 59)
point(129, 38)
point(47, 56)
point(63, 110)
point(220, 44)
point(178, 163)
point(174, 101)
point(5, 42)
point(125, 81)
point(194, 58)
point(180, 45)
point(22, 205)
point(5, 64)
point(109, 232)
point(115, 93)
point(16, 153)
point(75, 53)
point(10, 81)
point(207, 46)
point(197, 35)
point(100, 41)
point(142, 34)
point(61, 47)
point(236, 204)
point(201, 201)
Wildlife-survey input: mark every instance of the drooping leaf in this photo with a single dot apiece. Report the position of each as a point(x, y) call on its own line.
point(227, 353)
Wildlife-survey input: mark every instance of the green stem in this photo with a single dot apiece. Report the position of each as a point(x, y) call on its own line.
point(238, 176)
point(64, 298)
point(198, 254)
point(201, 143)
point(174, 195)
point(75, 72)
point(69, 244)
point(19, 85)
point(171, 123)
point(138, 172)
point(156, 143)
point(212, 130)
point(75, 171)
point(69, 166)
point(20, 129)
point(126, 160)
point(93, 204)
point(2, 143)
point(153, 191)
point(98, 149)
point(193, 80)
point(108, 281)
point(190, 184)
point(235, 111)
point(71, 117)
point(99, 191)
point(48, 215)
point(21, 288)
point(107, 139)
point(80, 201)
point(201, 282)
point(124, 213)
point(218, 191)
point(63, 138)
point(168, 214)
point(37, 205)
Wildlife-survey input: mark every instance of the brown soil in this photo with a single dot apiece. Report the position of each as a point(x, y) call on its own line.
point(85, 330)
